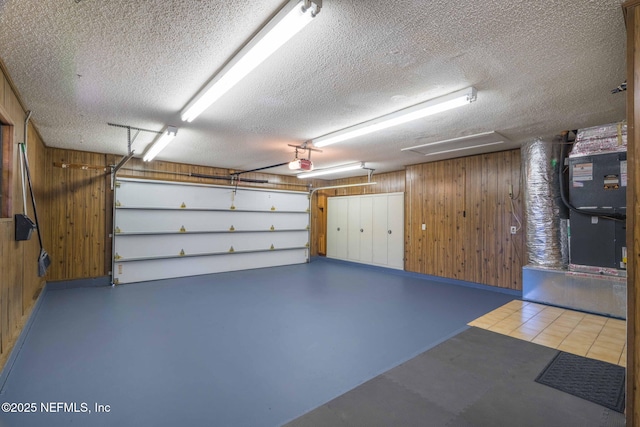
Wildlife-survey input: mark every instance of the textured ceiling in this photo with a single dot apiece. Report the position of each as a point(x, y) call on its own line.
point(539, 68)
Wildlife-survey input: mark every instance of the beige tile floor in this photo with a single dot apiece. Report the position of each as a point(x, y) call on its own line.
point(588, 335)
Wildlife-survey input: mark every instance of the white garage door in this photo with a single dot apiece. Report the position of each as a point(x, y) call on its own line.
point(169, 229)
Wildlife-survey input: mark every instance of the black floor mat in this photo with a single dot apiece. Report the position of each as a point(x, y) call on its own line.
point(593, 380)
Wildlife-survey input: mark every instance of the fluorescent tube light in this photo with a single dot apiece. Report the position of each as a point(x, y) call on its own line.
point(428, 108)
point(328, 171)
point(294, 16)
point(160, 143)
point(463, 148)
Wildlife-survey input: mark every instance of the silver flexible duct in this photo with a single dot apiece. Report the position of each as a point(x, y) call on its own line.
point(547, 245)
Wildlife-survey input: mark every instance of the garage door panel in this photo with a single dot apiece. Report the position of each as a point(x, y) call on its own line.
point(168, 229)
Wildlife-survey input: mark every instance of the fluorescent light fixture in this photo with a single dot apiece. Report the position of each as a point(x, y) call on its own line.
point(328, 171)
point(160, 142)
point(458, 144)
point(428, 108)
point(294, 16)
point(463, 148)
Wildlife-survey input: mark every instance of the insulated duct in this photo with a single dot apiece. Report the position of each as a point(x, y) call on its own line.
point(546, 224)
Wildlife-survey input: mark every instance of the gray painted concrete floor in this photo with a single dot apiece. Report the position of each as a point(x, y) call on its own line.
point(249, 348)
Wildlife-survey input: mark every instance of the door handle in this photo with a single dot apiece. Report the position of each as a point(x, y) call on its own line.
point(361, 230)
point(389, 231)
point(338, 228)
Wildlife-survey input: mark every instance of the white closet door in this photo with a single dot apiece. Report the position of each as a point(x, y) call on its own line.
point(366, 229)
point(353, 233)
point(380, 230)
point(332, 227)
point(342, 229)
point(395, 232)
point(337, 227)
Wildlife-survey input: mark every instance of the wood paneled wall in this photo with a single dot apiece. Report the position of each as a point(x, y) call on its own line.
point(78, 212)
point(466, 208)
point(632, 18)
point(19, 281)
point(169, 171)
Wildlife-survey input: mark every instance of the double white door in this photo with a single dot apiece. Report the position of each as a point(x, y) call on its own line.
point(367, 229)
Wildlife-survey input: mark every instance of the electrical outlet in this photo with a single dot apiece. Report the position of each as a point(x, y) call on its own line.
point(514, 230)
point(424, 227)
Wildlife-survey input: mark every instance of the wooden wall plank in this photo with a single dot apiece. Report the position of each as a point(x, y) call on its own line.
point(5, 236)
point(58, 189)
point(487, 214)
point(16, 286)
point(422, 216)
point(3, 88)
point(517, 256)
point(427, 216)
point(410, 236)
point(458, 243)
point(75, 224)
point(8, 154)
point(473, 205)
point(7, 342)
point(632, 15)
point(440, 228)
point(320, 221)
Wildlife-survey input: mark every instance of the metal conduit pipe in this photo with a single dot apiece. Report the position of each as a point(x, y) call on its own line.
point(24, 188)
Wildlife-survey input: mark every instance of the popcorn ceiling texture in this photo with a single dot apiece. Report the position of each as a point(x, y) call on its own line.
point(539, 67)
